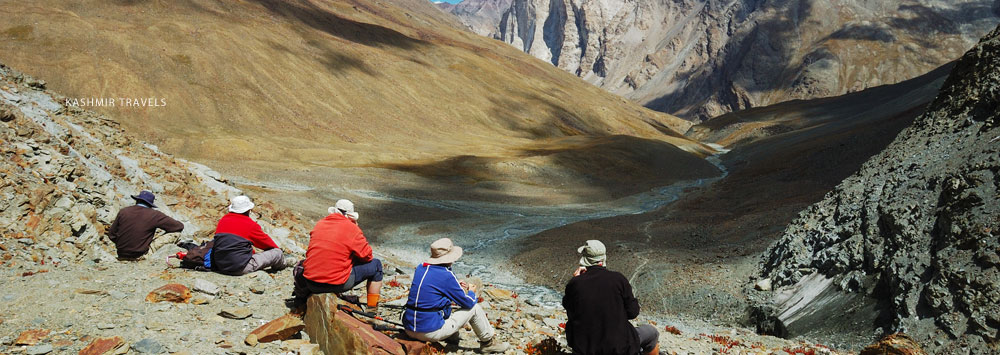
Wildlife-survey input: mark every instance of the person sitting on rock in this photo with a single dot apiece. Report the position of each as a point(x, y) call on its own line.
point(236, 235)
point(134, 227)
point(599, 303)
point(428, 316)
point(337, 259)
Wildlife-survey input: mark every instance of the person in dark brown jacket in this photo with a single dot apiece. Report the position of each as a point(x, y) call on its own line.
point(134, 227)
point(599, 303)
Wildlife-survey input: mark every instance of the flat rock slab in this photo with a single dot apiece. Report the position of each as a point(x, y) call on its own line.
point(337, 332)
point(38, 349)
point(236, 313)
point(280, 328)
point(105, 346)
point(148, 346)
point(205, 286)
point(31, 337)
point(176, 293)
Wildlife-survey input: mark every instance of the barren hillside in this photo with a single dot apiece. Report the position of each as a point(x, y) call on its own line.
point(264, 85)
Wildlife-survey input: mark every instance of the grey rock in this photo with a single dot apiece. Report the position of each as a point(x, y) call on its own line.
point(206, 287)
point(148, 346)
point(38, 349)
point(118, 295)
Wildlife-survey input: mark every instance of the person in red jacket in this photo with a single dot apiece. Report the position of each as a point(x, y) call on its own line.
point(338, 258)
point(238, 223)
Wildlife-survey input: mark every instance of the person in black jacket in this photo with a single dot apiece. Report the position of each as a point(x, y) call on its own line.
point(599, 303)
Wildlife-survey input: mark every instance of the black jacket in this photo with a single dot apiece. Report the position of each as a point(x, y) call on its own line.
point(599, 304)
point(230, 253)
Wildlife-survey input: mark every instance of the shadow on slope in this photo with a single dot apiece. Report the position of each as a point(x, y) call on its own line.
point(693, 256)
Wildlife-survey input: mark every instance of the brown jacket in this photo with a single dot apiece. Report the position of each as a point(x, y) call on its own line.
point(133, 229)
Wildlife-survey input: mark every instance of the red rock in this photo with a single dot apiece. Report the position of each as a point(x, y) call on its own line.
point(31, 337)
point(280, 328)
point(417, 347)
point(337, 332)
point(894, 344)
point(104, 346)
point(176, 293)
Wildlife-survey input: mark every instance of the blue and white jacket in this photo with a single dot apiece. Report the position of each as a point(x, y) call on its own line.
point(433, 291)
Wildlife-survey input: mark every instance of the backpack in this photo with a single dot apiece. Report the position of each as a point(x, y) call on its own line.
point(195, 257)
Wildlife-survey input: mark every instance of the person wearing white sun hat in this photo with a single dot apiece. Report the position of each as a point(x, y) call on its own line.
point(236, 235)
point(338, 259)
point(608, 331)
point(427, 315)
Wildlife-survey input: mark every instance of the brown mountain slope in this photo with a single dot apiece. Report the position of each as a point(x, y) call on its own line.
point(693, 257)
point(265, 85)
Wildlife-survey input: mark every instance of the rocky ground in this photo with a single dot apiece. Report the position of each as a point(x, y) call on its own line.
point(74, 303)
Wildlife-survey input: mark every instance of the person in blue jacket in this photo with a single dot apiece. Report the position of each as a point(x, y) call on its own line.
point(428, 315)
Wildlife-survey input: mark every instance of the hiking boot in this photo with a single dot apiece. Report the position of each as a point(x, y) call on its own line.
point(493, 346)
point(454, 339)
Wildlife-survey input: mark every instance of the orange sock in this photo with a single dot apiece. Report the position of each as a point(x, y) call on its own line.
point(373, 300)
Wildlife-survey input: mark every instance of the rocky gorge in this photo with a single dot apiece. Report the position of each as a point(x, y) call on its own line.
point(701, 58)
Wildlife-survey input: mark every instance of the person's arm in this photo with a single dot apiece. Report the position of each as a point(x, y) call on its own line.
point(260, 239)
point(113, 231)
point(169, 225)
point(361, 249)
point(453, 289)
point(631, 303)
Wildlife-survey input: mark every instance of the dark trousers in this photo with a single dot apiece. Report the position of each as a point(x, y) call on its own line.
point(370, 271)
point(648, 337)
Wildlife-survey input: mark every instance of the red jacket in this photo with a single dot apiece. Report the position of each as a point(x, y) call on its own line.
point(335, 244)
point(245, 227)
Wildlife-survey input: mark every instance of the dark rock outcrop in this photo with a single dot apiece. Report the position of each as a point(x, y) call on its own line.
point(909, 243)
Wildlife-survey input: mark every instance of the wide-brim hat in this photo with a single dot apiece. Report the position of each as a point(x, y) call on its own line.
point(344, 207)
point(145, 196)
point(592, 253)
point(240, 204)
point(443, 251)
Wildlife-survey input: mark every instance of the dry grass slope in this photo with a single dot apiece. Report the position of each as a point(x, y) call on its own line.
point(261, 85)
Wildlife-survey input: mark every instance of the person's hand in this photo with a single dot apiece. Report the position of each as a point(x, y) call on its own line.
point(472, 287)
point(579, 271)
point(465, 286)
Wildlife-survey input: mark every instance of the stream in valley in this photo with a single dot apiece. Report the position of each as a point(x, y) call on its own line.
point(488, 232)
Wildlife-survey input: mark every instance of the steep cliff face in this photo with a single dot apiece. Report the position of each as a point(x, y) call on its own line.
point(480, 16)
point(699, 59)
point(910, 242)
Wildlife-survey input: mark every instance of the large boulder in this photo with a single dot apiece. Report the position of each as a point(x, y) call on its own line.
point(337, 332)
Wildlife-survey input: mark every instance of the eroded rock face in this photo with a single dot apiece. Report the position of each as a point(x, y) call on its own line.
point(916, 228)
point(699, 59)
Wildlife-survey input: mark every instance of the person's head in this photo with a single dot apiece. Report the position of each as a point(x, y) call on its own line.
point(344, 208)
point(593, 253)
point(444, 252)
point(240, 204)
point(145, 197)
